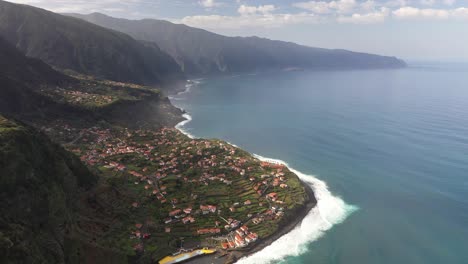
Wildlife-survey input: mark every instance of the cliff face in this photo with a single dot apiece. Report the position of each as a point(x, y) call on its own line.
point(200, 52)
point(39, 187)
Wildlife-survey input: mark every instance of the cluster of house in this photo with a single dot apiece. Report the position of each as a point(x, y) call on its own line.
point(232, 224)
point(138, 233)
point(186, 217)
point(239, 238)
point(275, 179)
point(173, 156)
point(79, 97)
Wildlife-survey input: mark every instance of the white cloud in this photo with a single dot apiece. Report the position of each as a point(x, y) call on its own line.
point(429, 13)
point(259, 20)
point(253, 10)
point(314, 6)
point(449, 2)
point(322, 7)
point(413, 12)
point(368, 18)
point(208, 3)
point(82, 6)
point(460, 13)
point(396, 3)
point(369, 5)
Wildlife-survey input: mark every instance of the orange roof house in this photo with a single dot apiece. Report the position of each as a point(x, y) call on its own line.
point(175, 212)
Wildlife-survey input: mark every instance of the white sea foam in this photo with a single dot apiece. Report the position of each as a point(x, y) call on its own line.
point(188, 88)
point(330, 210)
point(180, 126)
point(187, 116)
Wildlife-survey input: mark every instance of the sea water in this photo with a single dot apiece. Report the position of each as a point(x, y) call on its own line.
point(386, 152)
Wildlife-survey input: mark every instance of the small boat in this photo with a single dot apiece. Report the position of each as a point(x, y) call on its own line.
point(183, 256)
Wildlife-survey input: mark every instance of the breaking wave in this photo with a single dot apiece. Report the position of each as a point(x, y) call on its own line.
point(180, 126)
point(188, 87)
point(330, 210)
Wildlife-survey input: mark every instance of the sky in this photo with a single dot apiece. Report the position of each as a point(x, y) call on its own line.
point(432, 30)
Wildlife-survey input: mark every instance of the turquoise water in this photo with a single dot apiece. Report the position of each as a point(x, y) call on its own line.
point(393, 143)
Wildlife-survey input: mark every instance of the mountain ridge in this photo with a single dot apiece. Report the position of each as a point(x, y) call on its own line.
point(200, 52)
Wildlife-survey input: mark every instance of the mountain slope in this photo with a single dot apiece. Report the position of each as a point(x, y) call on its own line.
point(20, 81)
point(201, 52)
point(16, 66)
point(71, 43)
point(39, 186)
point(32, 90)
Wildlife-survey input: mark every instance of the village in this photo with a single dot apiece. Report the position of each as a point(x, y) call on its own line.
point(206, 191)
point(92, 93)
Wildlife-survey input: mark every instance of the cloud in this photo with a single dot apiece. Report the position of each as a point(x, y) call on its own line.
point(369, 5)
point(413, 12)
point(430, 13)
point(322, 7)
point(427, 2)
point(258, 20)
point(269, 15)
point(208, 3)
point(460, 13)
point(253, 10)
point(313, 6)
point(396, 3)
point(249, 16)
point(82, 6)
point(449, 2)
point(368, 18)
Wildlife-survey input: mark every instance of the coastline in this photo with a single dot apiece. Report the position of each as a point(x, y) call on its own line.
point(300, 213)
point(285, 228)
point(236, 255)
point(310, 222)
point(239, 255)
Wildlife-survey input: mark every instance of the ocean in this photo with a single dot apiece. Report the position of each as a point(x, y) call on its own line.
point(386, 152)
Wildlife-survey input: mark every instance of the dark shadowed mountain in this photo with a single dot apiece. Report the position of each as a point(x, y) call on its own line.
point(14, 65)
point(20, 80)
point(70, 43)
point(198, 51)
point(40, 183)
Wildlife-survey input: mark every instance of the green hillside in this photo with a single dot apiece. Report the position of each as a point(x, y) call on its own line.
point(39, 186)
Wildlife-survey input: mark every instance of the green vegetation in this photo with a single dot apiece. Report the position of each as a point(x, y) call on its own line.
point(147, 174)
point(39, 185)
point(141, 190)
point(94, 94)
